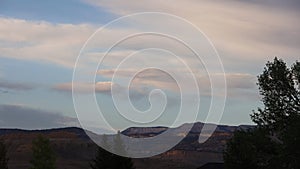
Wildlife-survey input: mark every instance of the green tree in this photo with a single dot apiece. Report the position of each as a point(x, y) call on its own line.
point(3, 156)
point(274, 143)
point(43, 156)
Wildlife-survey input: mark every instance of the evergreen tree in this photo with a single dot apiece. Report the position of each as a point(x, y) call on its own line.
point(3, 156)
point(43, 156)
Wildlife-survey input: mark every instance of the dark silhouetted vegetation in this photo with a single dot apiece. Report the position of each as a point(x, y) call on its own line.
point(43, 156)
point(3, 156)
point(274, 143)
point(106, 160)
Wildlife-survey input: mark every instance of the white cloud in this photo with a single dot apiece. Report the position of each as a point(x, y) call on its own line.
point(238, 84)
point(248, 36)
point(249, 32)
point(245, 33)
point(99, 87)
point(42, 41)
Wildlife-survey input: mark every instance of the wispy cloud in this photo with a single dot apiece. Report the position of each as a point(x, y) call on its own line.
point(3, 91)
point(163, 80)
point(249, 32)
point(240, 81)
point(86, 88)
point(15, 86)
point(151, 78)
point(42, 41)
point(249, 36)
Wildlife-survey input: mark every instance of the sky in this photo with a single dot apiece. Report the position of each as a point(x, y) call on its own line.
point(40, 42)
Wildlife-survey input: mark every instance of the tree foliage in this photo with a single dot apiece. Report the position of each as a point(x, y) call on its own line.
point(279, 87)
point(250, 150)
point(3, 156)
point(43, 156)
point(274, 143)
point(103, 159)
point(106, 160)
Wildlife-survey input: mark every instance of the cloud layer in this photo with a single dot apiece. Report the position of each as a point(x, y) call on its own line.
point(251, 36)
point(19, 116)
point(42, 41)
point(5, 85)
point(86, 88)
point(246, 33)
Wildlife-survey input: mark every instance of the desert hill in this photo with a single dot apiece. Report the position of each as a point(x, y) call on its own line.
point(74, 149)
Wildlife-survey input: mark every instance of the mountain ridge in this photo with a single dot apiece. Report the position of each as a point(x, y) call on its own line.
point(75, 150)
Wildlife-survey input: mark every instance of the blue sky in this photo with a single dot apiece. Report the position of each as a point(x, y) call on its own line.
point(40, 41)
point(64, 11)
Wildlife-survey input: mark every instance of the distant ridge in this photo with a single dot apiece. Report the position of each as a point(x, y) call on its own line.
point(195, 128)
point(132, 131)
point(75, 150)
point(75, 130)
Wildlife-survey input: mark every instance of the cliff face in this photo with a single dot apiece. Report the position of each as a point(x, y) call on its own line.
point(75, 150)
